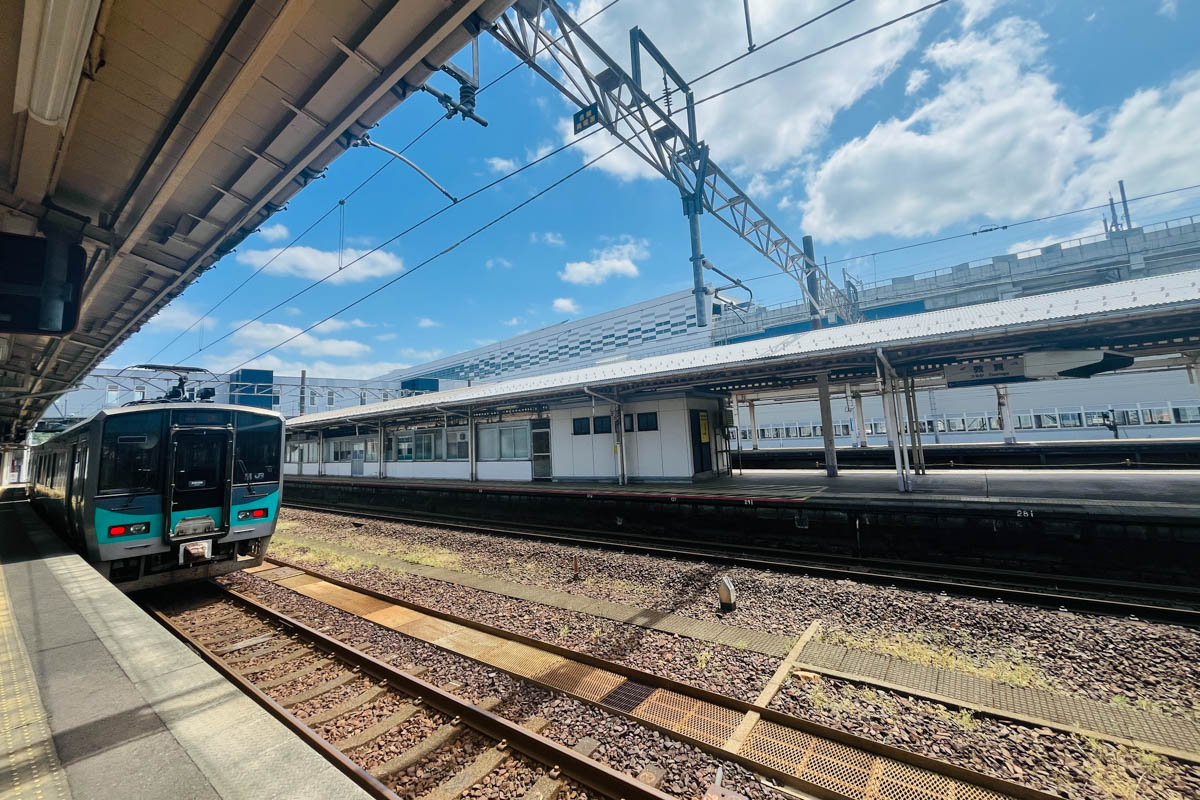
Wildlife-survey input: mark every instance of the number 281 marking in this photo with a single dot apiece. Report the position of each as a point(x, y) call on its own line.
point(1025, 512)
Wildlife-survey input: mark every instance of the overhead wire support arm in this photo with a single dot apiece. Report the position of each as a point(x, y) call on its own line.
point(366, 141)
point(615, 99)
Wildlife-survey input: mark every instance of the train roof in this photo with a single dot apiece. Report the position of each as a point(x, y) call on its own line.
point(152, 405)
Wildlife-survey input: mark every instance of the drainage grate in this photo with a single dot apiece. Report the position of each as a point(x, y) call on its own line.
point(851, 772)
point(706, 722)
point(627, 696)
point(581, 680)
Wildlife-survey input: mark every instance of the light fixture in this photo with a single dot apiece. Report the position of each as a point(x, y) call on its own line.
point(54, 38)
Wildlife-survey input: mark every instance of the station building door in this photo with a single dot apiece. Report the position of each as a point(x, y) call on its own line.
point(701, 441)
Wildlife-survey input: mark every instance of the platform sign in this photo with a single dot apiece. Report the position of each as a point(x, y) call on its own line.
point(1007, 370)
point(586, 117)
point(704, 427)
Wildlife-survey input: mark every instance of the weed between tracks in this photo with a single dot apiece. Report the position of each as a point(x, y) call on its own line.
point(919, 650)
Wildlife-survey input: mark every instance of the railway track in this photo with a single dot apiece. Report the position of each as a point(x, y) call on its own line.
point(821, 761)
point(391, 732)
point(1180, 605)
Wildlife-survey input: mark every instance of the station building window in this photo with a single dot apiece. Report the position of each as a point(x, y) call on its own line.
point(429, 446)
point(1128, 416)
point(647, 421)
point(628, 422)
point(1096, 417)
point(504, 443)
point(1023, 422)
point(329, 397)
point(581, 426)
point(1187, 414)
point(398, 446)
point(602, 424)
point(1156, 416)
point(458, 444)
point(1070, 419)
point(139, 393)
point(312, 398)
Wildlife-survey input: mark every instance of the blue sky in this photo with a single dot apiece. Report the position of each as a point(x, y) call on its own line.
point(977, 113)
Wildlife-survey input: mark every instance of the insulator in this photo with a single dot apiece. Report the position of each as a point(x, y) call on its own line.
point(466, 96)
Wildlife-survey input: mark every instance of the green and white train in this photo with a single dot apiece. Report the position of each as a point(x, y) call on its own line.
point(163, 492)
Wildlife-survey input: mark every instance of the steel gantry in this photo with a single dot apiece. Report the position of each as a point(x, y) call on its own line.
point(541, 31)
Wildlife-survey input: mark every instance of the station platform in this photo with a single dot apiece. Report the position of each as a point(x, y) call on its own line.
point(1094, 524)
point(98, 700)
point(1177, 487)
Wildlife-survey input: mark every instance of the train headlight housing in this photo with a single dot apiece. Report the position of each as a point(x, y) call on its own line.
point(254, 513)
point(129, 530)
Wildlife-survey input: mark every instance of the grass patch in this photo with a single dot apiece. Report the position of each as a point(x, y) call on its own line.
point(369, 545)
point(1119, 771)
point(913, 648)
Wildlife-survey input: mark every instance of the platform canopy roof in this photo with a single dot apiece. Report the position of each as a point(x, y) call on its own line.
point(1148, 316)
point(159, 134)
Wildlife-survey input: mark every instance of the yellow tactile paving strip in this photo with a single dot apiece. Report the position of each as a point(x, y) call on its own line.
point(29, 766)
point(848, 771)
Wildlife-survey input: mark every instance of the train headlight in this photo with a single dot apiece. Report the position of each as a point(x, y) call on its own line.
point(127, 530)
point(255, 513)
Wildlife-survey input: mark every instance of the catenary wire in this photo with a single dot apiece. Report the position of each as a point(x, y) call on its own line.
point(440, 119)
point(493, 183)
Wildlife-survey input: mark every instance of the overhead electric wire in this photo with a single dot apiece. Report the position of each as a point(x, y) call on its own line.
point(341, 202)
point(514, 208)
point(999, 226)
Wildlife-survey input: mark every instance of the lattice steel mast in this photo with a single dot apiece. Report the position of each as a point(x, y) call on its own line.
point(615, 99)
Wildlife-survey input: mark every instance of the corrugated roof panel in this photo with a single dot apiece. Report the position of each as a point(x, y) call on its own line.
point(1179, 288)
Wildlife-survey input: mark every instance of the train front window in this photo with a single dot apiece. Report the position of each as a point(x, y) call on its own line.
point(199, 462)
point(256, 449)
point(130, 453)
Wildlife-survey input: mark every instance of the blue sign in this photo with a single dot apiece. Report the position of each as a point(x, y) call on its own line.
point(586, 117)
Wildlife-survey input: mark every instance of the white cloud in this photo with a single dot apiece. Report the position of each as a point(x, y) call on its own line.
point(997, 141)
point(1030, 244)
point(549, 237)
point(385, 337)
point(801, 106)
point(484, 342)
point(180, 316)
point(1168, 8)
point(316, 369)
point(335, 324)
point(259, 335)
point(273, 233)
point(1090, 17)
point(293, 311)
point(543, 149)
point(565, 305)
point(975, 11)
point(512, 322)
point(497, 261)
point(426, 322)
point(311, 264)
point(616, 259)
point(502, 165)
point(916, 79)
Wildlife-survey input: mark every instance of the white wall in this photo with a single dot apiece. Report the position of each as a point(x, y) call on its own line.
point(504, 470)
point(459, 470)
point(665, 453)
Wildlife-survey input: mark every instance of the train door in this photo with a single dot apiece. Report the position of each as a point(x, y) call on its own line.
point(539, 449)
point(198, 494)
point(701, 438)
point(77, 493)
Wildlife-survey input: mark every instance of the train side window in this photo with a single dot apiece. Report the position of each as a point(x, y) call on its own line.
point(647, 421)
point(256, 448)
point(112, 394)
point(130, 453)
point(1023, 422)
point(1070, 419)
point(976, 424)
point(139, 393)
point(581, 426)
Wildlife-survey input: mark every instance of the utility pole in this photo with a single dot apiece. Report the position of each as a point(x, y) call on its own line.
point(303, 389)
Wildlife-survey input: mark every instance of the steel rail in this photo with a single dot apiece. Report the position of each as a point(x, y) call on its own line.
point(914, 579)
point(652, 679)
point(574, 765)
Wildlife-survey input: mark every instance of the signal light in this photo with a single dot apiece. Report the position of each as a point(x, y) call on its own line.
point(126, 530)
point(257, 513)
